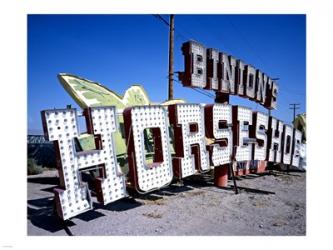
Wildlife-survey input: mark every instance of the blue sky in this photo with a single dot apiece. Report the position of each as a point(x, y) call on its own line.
point(121, 50)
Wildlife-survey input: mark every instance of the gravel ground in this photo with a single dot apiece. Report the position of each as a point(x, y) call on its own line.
point(268, 204)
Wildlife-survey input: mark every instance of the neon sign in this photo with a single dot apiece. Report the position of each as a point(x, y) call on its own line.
point(188, 127)
point(214, 70)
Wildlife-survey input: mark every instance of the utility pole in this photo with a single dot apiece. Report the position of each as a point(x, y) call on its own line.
point(171, 46)
point(294, 106)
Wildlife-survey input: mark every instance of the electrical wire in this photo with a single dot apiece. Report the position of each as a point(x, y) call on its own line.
point(201, 91)
point(247, 42)
point(160, 18)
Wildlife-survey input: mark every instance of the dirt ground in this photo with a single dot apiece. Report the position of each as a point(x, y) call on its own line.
point(267, 204)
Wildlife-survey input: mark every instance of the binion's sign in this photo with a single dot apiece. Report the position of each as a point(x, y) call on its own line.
point(184, 138)
point(218, 71)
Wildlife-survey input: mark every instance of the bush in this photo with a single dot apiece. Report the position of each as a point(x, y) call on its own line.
point(33, 168)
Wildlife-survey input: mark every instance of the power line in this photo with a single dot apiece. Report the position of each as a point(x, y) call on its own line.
point(242, 36)
point(160, 18)
point(291, 92)
point(294, 106)
point(287, 93)
point(187, 34)
point(204, 93)
point(201, 91)
point(164, 21)
point(213, 35)
point(247, 42)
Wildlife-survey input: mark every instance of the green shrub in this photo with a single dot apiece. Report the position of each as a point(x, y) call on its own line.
point(33, 168)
